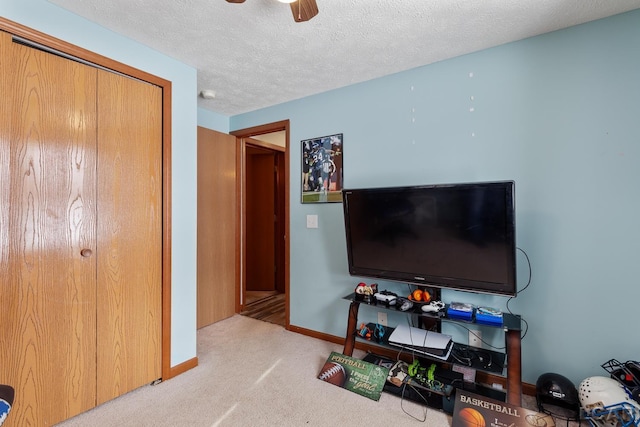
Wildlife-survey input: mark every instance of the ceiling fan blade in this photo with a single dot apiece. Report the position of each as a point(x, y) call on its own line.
point(303, 10)
point(235, 1)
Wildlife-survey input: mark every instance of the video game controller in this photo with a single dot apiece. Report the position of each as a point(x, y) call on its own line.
point(404, 304)
point(386, 297)
point(433, 307)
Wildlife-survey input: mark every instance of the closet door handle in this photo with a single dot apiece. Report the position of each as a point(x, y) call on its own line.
point(86, 253)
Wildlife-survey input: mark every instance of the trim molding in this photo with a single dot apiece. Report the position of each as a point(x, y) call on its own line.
point(183, 367)
point(243, 138)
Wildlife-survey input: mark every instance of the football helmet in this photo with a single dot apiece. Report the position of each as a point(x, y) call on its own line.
point(556, 395)
point(627, 374)
point(7, 394)
point(606, 402)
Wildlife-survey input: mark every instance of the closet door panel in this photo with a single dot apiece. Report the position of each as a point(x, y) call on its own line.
point(129, 235)
point(47, 192)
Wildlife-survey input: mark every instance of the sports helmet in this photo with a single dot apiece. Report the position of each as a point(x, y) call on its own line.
point(7, 394)
point(627, 374)
point(606, 402)
point(556, 395)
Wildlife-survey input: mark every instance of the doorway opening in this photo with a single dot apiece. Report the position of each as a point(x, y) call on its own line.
point(263, 210)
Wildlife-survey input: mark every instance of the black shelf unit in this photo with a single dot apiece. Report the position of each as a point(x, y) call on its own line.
point(509, 321)
point(511, 326)
point(478, 359)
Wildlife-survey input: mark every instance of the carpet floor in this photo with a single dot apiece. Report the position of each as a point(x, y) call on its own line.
point(257, 374)
point(254, 373)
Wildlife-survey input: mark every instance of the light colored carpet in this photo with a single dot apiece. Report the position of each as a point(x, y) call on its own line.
point(254, 373)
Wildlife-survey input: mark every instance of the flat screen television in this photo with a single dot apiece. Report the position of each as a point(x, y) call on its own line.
point(456, 236)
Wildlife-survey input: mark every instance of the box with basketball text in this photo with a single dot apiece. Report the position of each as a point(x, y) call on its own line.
point(355, 375)
point(473, 410)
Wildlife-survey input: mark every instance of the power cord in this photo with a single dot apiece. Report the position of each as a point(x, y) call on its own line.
point(467, 356)
point(526, 329)
point(424, 399)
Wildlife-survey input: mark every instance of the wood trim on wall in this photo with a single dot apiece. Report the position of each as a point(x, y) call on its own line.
point(243, 134)
point(183, 367)
point(102, 61)
point(73, 50)
point(265, 144)
point(167, 371)
point(282, 125)
point(241, 152)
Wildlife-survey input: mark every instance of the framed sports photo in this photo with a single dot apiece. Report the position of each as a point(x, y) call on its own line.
point(322, 178)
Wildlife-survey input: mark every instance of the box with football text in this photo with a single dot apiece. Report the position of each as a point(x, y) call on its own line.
point(355, 375)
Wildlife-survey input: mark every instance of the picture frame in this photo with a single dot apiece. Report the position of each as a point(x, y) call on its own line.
point(322, 169)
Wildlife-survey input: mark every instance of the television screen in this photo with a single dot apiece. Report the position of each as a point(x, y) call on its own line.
point(458, 236)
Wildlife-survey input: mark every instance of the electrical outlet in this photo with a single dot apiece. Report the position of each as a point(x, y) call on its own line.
point(382, 318)
point(475, 338)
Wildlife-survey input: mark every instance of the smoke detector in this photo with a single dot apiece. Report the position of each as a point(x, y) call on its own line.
point(207, 94)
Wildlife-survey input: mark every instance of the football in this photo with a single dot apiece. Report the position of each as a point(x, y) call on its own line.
point(333, 373)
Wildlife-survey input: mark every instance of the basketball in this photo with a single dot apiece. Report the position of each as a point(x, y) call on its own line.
point(469, 417)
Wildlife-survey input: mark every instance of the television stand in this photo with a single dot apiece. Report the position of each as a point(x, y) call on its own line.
point(511, 326)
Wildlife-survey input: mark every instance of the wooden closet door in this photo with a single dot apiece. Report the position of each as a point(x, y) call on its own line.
point(129, 248)
point(47, 198)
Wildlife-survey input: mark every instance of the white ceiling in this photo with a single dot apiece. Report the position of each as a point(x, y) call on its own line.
point(254, 55)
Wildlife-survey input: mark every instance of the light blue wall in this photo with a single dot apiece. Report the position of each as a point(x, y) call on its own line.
point(560, 115)
point(211, 120)
point(557, 113)
point(47, 18)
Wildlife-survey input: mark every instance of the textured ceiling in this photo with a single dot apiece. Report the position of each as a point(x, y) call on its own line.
point(254, 55)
